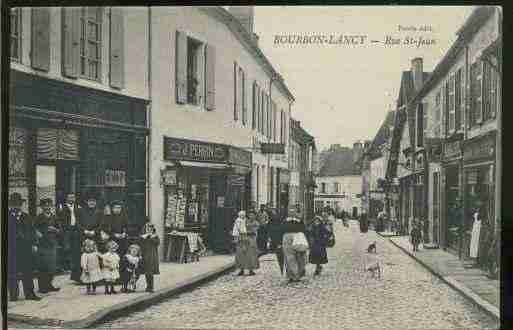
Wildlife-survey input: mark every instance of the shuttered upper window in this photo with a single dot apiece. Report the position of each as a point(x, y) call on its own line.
point(452, 113)
point(489, 91)
point(16, 34)
point(90, 42)
point(476, 78)
point(459, 100)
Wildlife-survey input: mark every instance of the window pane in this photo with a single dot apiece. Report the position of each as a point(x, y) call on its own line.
point(92, 51)
point(93, 69)
point(82, 65)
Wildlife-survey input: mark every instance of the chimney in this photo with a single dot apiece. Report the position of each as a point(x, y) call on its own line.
point(246, 16)
point(417, 72)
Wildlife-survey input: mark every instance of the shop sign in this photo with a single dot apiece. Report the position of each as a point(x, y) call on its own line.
point(284, 177)
point(479, 149)
point(452, 149)
point(239, 157)
point(273, 148)
point(181, 149)
point(115, 178)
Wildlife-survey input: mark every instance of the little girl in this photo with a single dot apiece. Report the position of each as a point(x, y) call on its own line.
point(90, 263)
point(130, 266)
point(110, 267)
point(149, 248)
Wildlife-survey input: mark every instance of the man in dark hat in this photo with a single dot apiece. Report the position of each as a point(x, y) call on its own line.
point(68, 216)
point(115, 225)
point(46, 224)
point(21, 246)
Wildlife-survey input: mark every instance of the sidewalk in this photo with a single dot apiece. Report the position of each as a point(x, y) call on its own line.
point(71, 308)
point(472, 283)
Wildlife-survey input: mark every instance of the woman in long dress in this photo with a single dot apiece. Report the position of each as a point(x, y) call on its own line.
point(474, 240)
point(318, 236)
point(245, 234)
point(295, 261)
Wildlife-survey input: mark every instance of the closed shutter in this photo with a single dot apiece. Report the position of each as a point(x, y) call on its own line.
point(244, 103)
point(446, 108)
point(479, 93)
point(254, 108)
point(71, 41)
point(235, 90)
point(41, 38)
point(117, 47)
point(181, 67)
point(210, 82)
point(420, 124)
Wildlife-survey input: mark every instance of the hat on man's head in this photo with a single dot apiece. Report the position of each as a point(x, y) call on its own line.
point(90, 195)
point(116, 202)
point(15, 199)
point(45, 202)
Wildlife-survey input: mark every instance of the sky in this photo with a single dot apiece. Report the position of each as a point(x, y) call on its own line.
point(342, 91)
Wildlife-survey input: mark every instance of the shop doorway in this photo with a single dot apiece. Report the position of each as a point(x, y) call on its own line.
point(55, 180)
point(453, 208)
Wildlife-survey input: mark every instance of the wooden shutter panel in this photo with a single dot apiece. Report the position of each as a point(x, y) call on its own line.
point(41, 38)
point(254, 96)
point(210, 81)
point(244, 103)
point(117, 47)
point(480, 86)
point(181, 67)
point(235, 90)
point(71, 41)
point(420, 124)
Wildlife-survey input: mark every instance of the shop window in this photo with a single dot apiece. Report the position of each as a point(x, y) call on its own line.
point(91, 42)
point(15, 16)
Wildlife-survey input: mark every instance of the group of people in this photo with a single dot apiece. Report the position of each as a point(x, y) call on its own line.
point(289, 237)
point(90, 243)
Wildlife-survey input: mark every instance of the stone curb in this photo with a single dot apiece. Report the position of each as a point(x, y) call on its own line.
point(387, 235)
point(456, 285)
point(127, 306)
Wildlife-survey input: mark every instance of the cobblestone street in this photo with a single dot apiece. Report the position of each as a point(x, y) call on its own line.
point(344, 296)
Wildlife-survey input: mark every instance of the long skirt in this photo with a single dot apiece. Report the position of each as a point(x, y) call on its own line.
point(74, 245)
point(474, 240)
point(295, 262)
point(246, 256)
point(47, 259)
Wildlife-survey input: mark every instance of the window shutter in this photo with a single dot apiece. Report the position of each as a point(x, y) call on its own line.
point(181, 67)
point(446, 108)
point(117, 47)
point(71, 41)
point(420, 125)
point(210, 56)
point(244, 100)
point(493, 94)
point(254, 108)
point(274, 121)
point(41, 38)
point(479, 97)
point(235, 91)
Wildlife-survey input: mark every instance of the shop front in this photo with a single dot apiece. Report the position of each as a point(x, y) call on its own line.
point(205, 185)
point(479, 174)
point(67, 139)
point(452, 217)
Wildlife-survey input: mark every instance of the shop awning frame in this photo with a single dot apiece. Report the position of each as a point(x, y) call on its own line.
point(209, 165)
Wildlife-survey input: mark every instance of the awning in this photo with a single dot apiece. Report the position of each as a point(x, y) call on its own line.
point(215, 166)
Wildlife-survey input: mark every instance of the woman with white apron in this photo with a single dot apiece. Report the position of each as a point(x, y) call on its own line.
point(474, 240)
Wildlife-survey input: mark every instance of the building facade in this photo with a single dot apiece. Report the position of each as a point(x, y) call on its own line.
point(339, 182)
point(78, 105)
point(216, 102)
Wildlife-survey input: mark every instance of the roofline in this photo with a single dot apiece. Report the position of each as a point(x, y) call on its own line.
point(240, 31)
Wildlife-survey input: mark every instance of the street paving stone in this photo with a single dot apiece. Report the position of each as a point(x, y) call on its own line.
point(343, 297)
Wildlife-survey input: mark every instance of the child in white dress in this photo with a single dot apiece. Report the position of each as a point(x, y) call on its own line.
point(90, 263)
point(110, 267)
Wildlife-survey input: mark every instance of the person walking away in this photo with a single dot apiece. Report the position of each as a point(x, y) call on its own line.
point(115, 226)
point(110, 269)
point(244, 233)
point(318, 237)
point(90, 263)
point(21, 246)
point(149, 249)
point(416, 235)
point(263, 217)
point(295, 261)
point(46, 225)
point(68, 216)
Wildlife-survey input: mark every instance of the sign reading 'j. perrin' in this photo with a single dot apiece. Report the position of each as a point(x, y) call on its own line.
point(181, 149)
point(272, 148)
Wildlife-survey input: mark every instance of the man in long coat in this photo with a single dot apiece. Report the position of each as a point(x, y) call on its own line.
point(46, 225)
point(68, 216)
point(22, 244)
